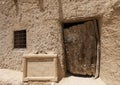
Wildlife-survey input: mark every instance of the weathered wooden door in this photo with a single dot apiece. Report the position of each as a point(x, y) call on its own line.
point(81, 48)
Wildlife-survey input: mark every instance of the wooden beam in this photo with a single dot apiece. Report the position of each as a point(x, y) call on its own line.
point(16, 5)
point(40, 4)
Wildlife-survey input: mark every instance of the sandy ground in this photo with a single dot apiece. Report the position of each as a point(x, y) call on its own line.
point(72, 80)
point(10, 77)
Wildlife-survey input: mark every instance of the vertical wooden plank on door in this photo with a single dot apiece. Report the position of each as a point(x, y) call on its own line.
point(91, 48)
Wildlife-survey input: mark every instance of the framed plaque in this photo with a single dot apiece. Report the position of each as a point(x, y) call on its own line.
point(40, 67)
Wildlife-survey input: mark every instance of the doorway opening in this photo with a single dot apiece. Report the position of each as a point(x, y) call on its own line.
point(81, 41)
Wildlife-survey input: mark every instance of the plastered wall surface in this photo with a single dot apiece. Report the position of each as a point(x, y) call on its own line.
point(44, 32)
point(109, 13)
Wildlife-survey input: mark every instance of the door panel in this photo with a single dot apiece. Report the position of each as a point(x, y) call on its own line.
point(80, 46)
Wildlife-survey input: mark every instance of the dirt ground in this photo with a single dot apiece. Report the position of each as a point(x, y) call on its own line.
point(72, 80)
point(10, 77)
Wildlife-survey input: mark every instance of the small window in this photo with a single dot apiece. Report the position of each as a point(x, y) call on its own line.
point(20, 39)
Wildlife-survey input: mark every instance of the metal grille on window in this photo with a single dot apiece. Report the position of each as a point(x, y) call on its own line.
point(20, 39)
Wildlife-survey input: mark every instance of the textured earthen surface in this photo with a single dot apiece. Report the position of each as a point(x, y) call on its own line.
point(10, 77)
point(44, 31)
point(72, 80)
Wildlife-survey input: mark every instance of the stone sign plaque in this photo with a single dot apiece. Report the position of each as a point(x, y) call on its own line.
point(40, 67)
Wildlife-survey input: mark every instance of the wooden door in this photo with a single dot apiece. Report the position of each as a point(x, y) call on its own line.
point(81, 48)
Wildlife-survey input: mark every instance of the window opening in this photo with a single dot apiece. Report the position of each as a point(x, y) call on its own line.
point(20, 39)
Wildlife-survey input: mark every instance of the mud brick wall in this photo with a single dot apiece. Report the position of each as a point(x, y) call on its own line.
point(44, 31)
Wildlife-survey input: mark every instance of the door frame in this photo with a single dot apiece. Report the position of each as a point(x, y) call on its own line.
point(98, 26)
